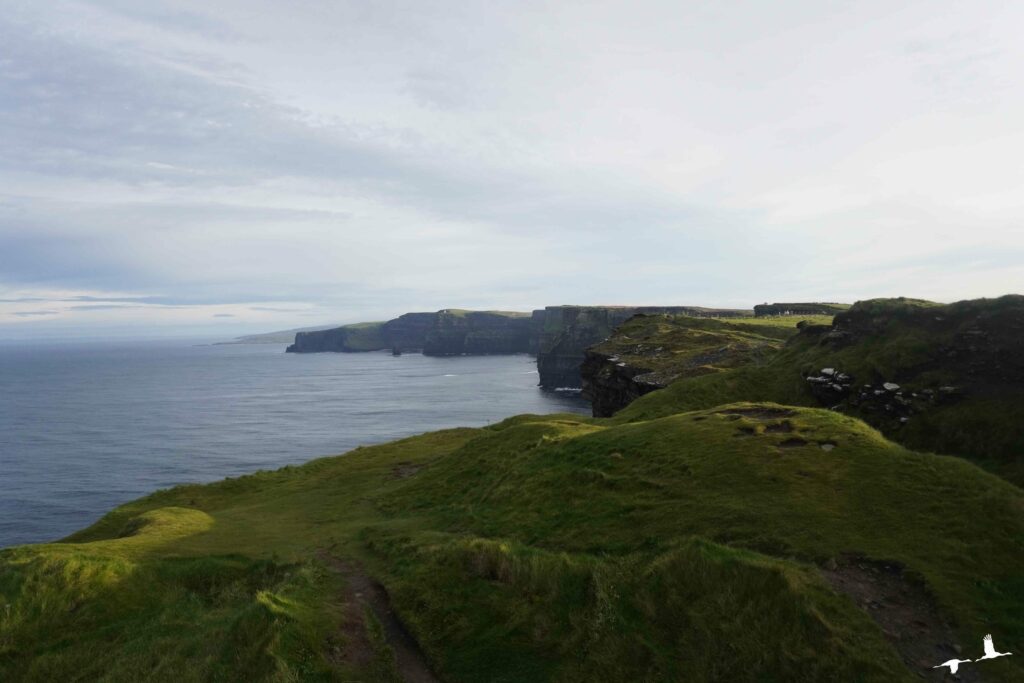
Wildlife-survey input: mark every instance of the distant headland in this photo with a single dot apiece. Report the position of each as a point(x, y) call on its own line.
point(557, 335)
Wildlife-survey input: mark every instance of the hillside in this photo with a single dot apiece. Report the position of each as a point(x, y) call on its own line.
point(744, 542)
point(649, 352)
point(942, 378)
point(743, 524)
point(566, 332)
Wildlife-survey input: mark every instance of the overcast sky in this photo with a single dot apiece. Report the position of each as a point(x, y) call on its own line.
point(226, 166)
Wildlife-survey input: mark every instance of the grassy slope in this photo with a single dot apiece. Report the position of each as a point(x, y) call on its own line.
point(545, 548)
point(364, 336)
point(678, 345)
point(988, 427)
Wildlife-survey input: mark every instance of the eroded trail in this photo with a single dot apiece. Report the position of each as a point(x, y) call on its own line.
point(362, 593)
point(905, 612)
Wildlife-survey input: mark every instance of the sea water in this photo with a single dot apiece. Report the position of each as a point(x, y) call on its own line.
point(85, 427)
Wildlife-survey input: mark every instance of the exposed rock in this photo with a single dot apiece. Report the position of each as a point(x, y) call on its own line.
point(567, 332)
point(917, 362)
point(479, 333)
point(443, 333)
point(559, 335)
point(648, 352)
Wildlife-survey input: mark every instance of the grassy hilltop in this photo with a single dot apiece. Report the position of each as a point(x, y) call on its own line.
point(648, 352)
point(703, 534)
point(958, 370)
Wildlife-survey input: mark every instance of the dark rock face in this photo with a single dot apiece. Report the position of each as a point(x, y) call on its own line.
point(335, 339)
point(941, 378)
point(478, 333)
point(568, 331)
point(611, 385)
point(558, 335)
point(408, 332)
point(649, 352)
point(979, 342)
point(443, 333)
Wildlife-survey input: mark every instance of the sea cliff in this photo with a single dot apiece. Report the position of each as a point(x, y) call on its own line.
point(558, 335)
point(567, 331)
point(448, 332)
point(648, 352)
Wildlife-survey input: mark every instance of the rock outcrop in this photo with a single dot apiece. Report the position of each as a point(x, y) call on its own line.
point(647, 352)
point(568, 331)
point(905, 348)
point(942, 378)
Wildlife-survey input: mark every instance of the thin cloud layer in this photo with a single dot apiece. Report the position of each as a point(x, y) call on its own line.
point(178, 167)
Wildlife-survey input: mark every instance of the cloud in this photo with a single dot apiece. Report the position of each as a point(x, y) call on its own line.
point(171, 160)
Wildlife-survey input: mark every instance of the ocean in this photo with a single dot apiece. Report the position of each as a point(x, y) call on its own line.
point(86, 427)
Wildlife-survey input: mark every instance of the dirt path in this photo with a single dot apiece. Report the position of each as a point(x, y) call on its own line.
point(362, 592)
point(906, 613)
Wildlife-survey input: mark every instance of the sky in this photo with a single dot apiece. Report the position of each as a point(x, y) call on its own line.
point(233, 166)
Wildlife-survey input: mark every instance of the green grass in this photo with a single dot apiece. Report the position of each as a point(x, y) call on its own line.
point(544, 548)
point(907, 341)
point(364, 336)
point(673, 346)
point(678, 541)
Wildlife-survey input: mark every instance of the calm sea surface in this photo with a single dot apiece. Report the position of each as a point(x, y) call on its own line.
point(86, 427)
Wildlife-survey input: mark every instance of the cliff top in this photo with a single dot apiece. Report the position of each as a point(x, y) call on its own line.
point(520, 546)
point(562, 548)
point(800, 308)
point(947, 378)
point(670, 346)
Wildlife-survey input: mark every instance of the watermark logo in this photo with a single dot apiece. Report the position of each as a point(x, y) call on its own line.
point(953, 664)
point(990, 653)
point(990, 649)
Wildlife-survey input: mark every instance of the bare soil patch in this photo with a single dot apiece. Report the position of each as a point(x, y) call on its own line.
point(362, 592)
point(759, 413)
point(905, 612)
point(404, 470)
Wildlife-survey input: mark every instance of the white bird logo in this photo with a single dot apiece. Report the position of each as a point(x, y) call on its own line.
point(953, 664)
point(990, 649)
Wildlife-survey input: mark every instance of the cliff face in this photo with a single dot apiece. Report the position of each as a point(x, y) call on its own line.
point(558, 335)
point(443, 333)
point(478, 333)
point(567, 332)
point(610, 384)
point(408, 332)
point(647, 352)
point(358, 337)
